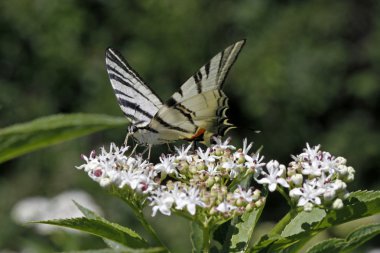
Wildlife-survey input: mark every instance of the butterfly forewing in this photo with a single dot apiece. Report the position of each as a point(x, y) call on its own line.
point(212, 75)
point(200, 103)
point(136, 100)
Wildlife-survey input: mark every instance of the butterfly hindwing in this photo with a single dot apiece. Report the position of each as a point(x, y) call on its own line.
point(136, 100)
point(200, 104)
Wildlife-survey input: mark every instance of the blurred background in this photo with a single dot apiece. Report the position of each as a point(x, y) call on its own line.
point(310, 72)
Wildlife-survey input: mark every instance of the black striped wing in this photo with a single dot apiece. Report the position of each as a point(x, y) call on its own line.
point(136, 100)
point(200, 104)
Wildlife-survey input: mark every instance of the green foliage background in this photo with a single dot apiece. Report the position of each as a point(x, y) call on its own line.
point(310, 71)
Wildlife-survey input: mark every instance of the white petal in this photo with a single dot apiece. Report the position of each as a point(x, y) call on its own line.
point(283, 182)
point(272, 187)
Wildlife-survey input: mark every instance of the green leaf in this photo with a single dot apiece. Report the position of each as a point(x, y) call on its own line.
point(359, 204)
point(361, 235)
point(22, 138)
point(102, 228)
point(330, 245)
point(87, 212)
point(196, 237)
point(352, 241)
point(297, 229)
point(240, 231)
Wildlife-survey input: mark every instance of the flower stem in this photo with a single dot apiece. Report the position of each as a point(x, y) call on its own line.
point(147, 226)
point(279, 227)
point(206, 240)
point(286, 196)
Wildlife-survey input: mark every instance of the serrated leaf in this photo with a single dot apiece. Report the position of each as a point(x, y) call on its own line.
point(330, 245)
point(104, 229)
point(302, 226)
point(240, 231)
point(87, 212)
point(361, 235)
point(22, 138)
point(359, 204)
point(352, 241)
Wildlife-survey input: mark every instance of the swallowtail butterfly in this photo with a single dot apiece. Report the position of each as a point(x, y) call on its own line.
point(195, 112)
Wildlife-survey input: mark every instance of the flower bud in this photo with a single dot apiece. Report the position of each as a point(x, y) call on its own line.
point(210, 182)
point(329, 195)
point(297, 179)
point(218, 152)
point(256, 194)
point(338, 204)
point(241, 159)
point(308, 207)
point(260, 202)
point(341, 160)
point(250, 206)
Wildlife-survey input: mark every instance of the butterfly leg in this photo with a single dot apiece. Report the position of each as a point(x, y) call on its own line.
point(169, 148)
point(126, 139)
point(133, 150)
point(194, 143)
point(147, 149)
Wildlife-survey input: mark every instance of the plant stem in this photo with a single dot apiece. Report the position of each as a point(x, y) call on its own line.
point(279, 227)
point(286, 196)
point(147, 226)
point(206, 240)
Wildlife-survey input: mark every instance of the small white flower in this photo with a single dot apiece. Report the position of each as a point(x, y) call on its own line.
point(255, 161)
point(274, 176)
point(189, 199)
point(242, 194)
point(244, 151)
point(205, 156)
point(225, 207)
point(162, 202)
point(167, 166)
point(307, 194)
point(223, 145)
point(212, 169)
point(183, 153)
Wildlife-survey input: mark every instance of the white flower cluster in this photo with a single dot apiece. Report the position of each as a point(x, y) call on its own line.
point(205, 179)
point(314, 178)
point(114, 167)
point(205, 182)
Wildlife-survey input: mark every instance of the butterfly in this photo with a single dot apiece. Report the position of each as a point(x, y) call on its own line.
point(196, 112)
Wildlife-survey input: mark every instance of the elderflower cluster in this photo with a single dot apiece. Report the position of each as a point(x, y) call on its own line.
point(205, 179)
point(205, 182)
point(318, 178)
point(114, 167)
point(314, 178)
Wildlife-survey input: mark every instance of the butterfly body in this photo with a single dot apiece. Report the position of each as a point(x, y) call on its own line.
point(195, 112)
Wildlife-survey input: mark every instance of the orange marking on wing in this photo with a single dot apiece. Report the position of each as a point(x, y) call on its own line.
point(199, 132)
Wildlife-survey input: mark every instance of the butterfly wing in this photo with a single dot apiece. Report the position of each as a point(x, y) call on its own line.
point(138, 103)
point(199, 106)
